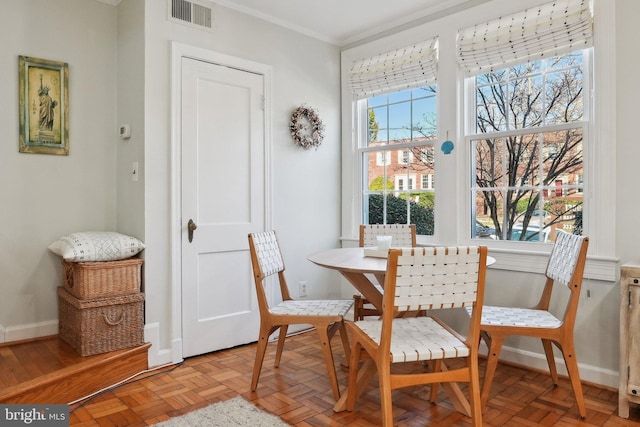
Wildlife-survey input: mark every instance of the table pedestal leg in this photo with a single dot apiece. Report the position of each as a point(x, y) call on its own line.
point(456, 396)
point(366, 372)
point(365, 287)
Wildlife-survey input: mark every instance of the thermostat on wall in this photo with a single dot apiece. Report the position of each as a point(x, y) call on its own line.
point(125, 131)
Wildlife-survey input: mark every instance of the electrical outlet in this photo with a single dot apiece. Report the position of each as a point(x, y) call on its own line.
point(302, 289)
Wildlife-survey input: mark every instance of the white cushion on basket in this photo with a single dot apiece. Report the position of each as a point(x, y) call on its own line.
point(96, 246)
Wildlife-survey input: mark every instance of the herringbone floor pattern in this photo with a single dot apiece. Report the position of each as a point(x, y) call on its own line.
point(298, 392)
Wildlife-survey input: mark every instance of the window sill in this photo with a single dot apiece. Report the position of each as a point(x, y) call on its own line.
point(597, 268)
point(527, 261)
point(535, 261)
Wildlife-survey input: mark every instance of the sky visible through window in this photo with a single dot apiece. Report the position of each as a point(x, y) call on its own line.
point(405, 115)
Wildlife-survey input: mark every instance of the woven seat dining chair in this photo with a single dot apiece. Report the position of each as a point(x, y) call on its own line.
point(402, 235)
point(326, 316)
point(565, 267)
point(423, 279)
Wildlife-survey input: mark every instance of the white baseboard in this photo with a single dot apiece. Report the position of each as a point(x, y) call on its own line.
point(157, 356)
point(28, 331)
point(588, 373)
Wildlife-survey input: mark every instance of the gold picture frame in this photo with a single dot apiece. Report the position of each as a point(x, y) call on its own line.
point(44, 106)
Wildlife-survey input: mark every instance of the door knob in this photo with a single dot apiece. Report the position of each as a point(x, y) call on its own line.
point(191, 226)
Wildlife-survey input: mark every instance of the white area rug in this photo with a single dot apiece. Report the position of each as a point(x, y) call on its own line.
point(234, 412)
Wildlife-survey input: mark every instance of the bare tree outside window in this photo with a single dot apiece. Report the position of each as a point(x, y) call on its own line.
point(528, 150)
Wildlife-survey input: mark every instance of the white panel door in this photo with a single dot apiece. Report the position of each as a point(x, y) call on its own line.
point(222, 123)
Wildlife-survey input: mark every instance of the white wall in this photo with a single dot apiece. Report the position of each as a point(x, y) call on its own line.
point(130, 110)
point(306, 184)
point(628, 142)
point(120, 73)
point(46, 196)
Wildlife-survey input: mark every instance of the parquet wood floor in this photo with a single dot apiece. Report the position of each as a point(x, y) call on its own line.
point(298, 392)
point(48, 370)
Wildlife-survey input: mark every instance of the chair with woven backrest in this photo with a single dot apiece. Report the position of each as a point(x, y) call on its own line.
point(326, 316)
point(422, 279)
point(403, 235)
point(565, 266)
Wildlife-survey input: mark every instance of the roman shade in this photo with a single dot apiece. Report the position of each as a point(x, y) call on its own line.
point(405, 68)
point(544, 31)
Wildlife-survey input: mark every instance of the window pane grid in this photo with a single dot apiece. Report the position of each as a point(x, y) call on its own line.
point(530, 95)
point(528, 150)
point(402, 125)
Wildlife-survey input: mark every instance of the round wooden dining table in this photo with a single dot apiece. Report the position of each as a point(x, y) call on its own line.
point(355, 265)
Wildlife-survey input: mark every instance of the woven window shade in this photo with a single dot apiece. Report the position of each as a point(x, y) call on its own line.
point(405, 68)
point(544, 31)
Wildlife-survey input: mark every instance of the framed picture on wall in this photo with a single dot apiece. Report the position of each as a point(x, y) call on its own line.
point(44, 106)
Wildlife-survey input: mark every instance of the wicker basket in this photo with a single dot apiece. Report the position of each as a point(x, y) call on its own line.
point(101, 325)
point(89, 280)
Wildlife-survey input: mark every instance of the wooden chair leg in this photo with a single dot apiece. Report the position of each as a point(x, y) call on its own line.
point(325, 343)
point(569, 354)
point(492, 362)
point(548, 351)
point(354, 362)
point(344, 337)
point(384, 379)
point(360, 311)
point(434, 366)
point(261, 349)
point(358, 305)
point(474, 392)
point(281, 338)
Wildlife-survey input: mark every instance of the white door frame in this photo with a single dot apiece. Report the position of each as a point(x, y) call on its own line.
point(178, 51)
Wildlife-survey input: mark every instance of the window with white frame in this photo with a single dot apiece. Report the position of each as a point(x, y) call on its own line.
point(580, 182)
point(530, 134)
point(404, 156)
point(400, 184)
point(427, 181)
point(395, 95)
point(528, 120)
point(405, 124)
point(459, 77)
point(382, 159)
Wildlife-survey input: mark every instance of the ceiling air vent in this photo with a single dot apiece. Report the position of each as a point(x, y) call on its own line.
point(196, 14)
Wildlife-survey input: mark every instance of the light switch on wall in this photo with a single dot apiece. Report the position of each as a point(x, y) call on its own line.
point(135, 171)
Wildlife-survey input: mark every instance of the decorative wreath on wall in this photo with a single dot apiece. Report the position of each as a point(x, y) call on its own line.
point(307, 129)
